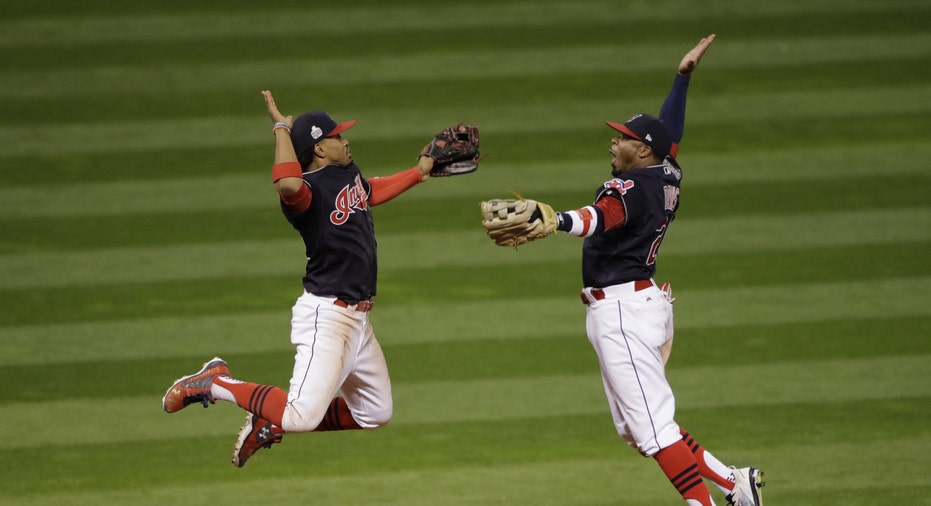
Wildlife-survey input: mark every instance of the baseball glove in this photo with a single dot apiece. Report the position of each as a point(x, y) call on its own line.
point(513, 222)
point(454, 151)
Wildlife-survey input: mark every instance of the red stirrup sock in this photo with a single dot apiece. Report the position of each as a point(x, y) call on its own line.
point(337, 417)
point(710, 467)
point(680, 467)
point(267, 401)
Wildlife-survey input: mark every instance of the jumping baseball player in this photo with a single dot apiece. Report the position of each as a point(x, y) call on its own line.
point(628, 317)
point(327, 200)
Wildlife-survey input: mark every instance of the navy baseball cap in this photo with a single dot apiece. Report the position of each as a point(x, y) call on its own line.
point(648, 130)
point(310, 128)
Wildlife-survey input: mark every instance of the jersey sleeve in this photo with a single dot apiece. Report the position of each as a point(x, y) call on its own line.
point(299, 201)
point(388, 187)
point(672, 113)
point(605, 215)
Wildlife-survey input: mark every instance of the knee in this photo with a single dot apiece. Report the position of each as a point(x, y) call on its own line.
point(296, 421)
point(374, 419)
point(649, 447)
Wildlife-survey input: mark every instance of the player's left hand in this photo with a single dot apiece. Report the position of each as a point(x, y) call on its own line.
point(425, 166)
point(454, 151)
point(691, 59)
point(513, 222)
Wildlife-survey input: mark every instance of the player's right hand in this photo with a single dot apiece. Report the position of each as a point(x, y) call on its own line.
point(273, 112)
point(691, 59)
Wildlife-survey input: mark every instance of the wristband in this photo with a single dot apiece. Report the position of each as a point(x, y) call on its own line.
point(281, 124)
point(286, 169)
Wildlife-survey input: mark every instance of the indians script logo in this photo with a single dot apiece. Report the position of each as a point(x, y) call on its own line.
point(620, 185)
point(350, 199)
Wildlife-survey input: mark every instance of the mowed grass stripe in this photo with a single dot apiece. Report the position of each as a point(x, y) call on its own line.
point(465, 358)
point(283, 21)
point(417, 286)
point(440, 402)
point(178, 22)
point(773, 108)
point(204, 335)
point(576, 481)
point(384, 20)
point(556, 34)
point(795, 203)
point(252, 190)
point(380, 68)
point(443, 252)
point(361, 99)
point(261, 340)
point(899, 133)
point(570, 480)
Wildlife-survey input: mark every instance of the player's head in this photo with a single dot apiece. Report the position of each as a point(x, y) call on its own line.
point(310, 129)
point(650, 134)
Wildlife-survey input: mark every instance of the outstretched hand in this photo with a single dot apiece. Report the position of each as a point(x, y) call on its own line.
point(273, 112)
point(691, 59)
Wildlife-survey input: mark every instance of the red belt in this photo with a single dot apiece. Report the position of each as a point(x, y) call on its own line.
point(599, 294)
point(362, 305)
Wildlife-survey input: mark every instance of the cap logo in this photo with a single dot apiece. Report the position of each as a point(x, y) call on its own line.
point(649, 137)
point(316, 132)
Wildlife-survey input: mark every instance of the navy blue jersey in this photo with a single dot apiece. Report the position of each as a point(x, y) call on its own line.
point(650, 197)
point(338, 234)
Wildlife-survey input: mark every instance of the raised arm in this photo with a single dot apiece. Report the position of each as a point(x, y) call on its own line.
point(287, 170)
point(672, 113)
point(287, 173)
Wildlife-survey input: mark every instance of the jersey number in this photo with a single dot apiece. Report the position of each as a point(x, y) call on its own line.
point(654, 249)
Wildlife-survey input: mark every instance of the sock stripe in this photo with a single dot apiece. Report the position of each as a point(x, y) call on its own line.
point(250, 406)
point(261, 407)
point(334, 415)
point(690, 470)
point(257, 400)
point(330, 418)
point(687, 479)
point(337, 417)
point(695, 447)
point(685, 487)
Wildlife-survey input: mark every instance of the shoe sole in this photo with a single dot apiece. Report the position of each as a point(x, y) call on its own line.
point(207, 365)
point(241, 439)
point(756, 480)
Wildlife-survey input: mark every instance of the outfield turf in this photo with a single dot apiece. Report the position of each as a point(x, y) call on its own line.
point(141, 237)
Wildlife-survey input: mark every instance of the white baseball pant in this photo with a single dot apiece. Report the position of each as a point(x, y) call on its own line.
point(628, 328)
point(336, 351)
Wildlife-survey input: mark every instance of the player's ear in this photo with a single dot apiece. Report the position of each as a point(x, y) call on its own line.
point(645, 151)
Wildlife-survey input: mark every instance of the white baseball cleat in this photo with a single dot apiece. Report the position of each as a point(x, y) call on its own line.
point(747, 484)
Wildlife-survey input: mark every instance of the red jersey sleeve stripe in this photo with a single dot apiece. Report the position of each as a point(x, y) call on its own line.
point(582, 222)
point(298, 201)
point(612, 210)
point(286, 169)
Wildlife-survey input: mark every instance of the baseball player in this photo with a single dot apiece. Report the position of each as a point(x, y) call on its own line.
point(327, 200)
point(629, 318)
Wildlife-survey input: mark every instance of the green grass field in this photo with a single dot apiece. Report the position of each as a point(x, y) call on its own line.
point(141, 237)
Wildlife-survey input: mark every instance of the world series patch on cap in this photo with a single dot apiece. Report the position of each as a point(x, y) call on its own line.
point(310, 128)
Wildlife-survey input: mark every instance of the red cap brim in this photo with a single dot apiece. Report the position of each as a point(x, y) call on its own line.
point(341, 127)
point(620, 127)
